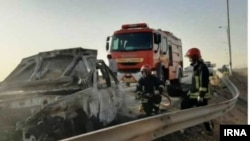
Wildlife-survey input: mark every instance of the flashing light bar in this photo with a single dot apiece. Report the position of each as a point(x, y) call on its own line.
point(138, 25)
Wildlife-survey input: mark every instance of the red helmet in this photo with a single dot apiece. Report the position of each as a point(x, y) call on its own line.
point(193, 53)
point(146, 68)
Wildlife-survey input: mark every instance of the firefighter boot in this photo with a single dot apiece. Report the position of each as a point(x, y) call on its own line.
point(156, 109)
point(209, 125)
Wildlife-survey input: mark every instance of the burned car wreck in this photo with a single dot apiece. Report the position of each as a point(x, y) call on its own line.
point(59, 94)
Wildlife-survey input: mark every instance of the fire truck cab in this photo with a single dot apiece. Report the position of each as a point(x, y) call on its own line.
point(137, 44)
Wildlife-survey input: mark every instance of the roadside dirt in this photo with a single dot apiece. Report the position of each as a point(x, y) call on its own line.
point(238, 115)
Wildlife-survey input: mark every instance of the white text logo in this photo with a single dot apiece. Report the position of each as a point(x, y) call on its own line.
point(235, 132)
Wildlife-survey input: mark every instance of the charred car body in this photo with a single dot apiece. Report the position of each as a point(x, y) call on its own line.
point(60, 93)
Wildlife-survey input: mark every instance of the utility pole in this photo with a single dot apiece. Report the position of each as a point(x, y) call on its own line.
point(229, 39)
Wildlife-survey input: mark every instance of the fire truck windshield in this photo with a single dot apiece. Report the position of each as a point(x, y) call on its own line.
point(132, 41)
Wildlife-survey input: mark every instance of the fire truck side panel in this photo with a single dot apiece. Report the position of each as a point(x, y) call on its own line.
point(172, 59)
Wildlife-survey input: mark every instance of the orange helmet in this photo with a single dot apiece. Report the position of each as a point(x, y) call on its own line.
point(193, 53)
point(146, 68)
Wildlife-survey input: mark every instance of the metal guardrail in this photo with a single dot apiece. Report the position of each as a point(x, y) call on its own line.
point(151, 128)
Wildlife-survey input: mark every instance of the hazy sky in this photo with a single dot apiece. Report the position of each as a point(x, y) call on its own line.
point(28, 27)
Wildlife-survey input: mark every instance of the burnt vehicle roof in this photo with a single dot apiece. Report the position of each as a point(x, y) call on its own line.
point(52, 71)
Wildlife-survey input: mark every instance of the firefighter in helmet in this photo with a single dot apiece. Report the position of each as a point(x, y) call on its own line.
point(149, 89)
point(199, 93)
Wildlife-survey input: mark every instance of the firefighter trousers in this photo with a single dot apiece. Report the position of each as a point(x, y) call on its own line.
point(152, 104)
point(189, 103)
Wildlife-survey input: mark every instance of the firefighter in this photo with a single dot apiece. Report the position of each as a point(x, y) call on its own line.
point(149, 89)
point(199, 93)
point(112, 64)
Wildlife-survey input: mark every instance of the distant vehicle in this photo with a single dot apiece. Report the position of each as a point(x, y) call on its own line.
point(58, 94)
point(225, 68)
point(137, 44)
point(210, 67)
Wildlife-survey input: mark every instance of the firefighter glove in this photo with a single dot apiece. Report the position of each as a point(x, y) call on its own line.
point(157, 92)
point(138, 95)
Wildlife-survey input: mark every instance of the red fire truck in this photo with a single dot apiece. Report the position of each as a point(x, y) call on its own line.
point(137, 44)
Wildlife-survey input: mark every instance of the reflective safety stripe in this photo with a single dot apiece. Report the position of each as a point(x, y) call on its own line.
point(208, 96)
point(195, 95)
point(161, 86)
point(144, 100)
point(196, 82)
point(202, 89)
point(139, 92)
point(157, 105)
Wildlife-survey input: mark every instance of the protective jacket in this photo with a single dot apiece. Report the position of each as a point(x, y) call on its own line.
point(200, 81)
point(149, 84)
